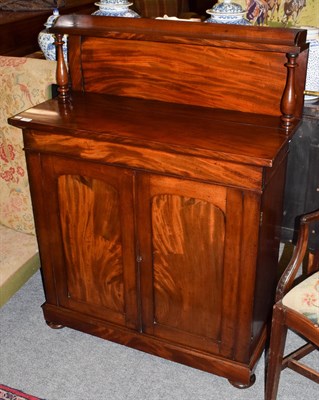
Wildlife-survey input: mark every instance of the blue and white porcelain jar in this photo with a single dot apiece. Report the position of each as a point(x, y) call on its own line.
point(227, 12)
point(115, 8)
point(312, 80)
point(46, 40)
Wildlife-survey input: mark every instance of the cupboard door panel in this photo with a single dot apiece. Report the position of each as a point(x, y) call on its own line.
point(94, 220)
point(188, 242)
point(89, 214)
point(182, 260)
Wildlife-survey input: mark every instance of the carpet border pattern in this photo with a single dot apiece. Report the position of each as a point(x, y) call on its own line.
point(8, 393)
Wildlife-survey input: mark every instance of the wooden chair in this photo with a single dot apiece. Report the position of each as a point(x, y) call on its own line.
point(296, 308)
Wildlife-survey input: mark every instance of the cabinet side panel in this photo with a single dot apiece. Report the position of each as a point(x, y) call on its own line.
point(268, 272)
point(246, 281)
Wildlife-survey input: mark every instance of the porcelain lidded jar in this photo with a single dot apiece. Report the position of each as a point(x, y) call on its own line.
point(46, 39)
point(312, 80)
point(115, 8)
point(227, 12)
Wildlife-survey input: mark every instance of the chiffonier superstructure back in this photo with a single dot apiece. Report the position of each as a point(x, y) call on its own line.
point(259, 70)
point(157, 176)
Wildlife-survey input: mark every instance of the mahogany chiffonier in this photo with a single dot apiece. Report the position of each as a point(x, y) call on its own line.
point(157, 179)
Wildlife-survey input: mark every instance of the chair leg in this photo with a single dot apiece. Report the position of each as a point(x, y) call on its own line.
point(276, 351)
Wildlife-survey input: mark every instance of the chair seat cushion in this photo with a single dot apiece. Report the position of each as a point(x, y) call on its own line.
point(304, 298)
point(19, 260)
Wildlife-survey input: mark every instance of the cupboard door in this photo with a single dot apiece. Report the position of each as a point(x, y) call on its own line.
point(182, 259)
point(89, 216)
point(192, 239)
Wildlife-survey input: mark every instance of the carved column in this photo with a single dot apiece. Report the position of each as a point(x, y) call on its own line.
point(288, 100)
point(62, 76)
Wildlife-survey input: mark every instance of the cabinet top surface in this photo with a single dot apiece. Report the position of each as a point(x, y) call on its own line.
point(199, 131)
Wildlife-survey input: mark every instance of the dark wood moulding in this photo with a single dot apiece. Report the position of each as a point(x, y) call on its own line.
point(157, 180)
point(238, 43)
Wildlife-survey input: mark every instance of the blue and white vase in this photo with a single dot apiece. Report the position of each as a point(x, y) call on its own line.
point(227, 12)
point(46, 40)
point(115, 8)
point(312, 80)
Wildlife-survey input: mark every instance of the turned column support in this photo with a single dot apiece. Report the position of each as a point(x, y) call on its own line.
point(62, 76)
point(288, 100)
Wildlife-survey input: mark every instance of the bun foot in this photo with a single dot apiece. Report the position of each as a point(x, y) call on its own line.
point(53, 325)
point(243, 386)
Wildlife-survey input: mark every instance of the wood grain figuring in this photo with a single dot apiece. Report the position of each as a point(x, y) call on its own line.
point(101, 220)
point(170, 261)
point(234, 232)
point(145, 29)
point(143, 69)
point(89, 215)
point(183, 230)
point(154, 161)
point(199, 131)
point(150, 47)
point(157, 184)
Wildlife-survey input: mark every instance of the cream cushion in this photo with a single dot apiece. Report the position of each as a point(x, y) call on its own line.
point(24, 82)
point(19, 260)
point(304, 298)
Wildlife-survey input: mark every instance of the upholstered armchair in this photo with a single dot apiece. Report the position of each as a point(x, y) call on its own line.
point(24, 82)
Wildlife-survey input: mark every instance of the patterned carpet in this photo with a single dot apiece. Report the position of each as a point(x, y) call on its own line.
point(13, 394)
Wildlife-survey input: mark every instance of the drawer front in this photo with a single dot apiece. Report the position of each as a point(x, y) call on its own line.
point(172, 163)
